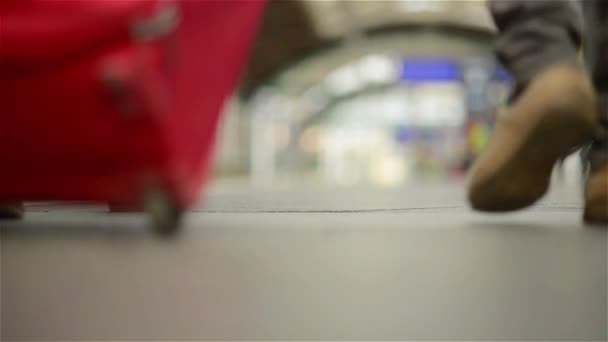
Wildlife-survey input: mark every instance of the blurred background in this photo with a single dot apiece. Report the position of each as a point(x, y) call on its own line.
point(363, 93)
point(373, 93)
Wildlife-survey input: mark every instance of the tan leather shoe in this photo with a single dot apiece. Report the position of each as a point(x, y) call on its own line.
point(596, 196)
point(11, 210)
point(554, 115)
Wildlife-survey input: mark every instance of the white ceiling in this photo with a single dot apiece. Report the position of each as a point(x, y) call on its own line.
point(311, 70)
point(339, 17)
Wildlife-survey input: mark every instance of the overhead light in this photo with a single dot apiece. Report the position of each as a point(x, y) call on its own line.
point(417, 6)
point(378, 69)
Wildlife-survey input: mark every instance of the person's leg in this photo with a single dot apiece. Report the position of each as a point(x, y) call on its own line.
point(553, 113)
point(596, 188)
point(533, 34)
point(596, 43)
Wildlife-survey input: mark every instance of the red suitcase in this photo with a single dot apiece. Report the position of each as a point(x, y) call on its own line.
point(116, 101)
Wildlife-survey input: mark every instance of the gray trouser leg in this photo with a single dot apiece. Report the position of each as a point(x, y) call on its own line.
point(596, 41)
point(534, 34)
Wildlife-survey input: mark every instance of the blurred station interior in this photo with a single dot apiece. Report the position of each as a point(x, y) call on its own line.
point(372, 93)
point(350, 93)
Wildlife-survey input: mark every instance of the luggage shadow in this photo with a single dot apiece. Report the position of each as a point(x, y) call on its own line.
point(77, 224)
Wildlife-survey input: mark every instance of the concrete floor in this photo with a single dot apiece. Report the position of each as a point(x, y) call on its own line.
point(407, 264)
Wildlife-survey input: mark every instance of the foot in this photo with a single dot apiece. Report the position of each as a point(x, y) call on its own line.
point(552, 117)
point(11, 210)
point(596, 196)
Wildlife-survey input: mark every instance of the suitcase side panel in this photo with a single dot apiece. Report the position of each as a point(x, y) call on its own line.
point(62, 137)
point(203, 87)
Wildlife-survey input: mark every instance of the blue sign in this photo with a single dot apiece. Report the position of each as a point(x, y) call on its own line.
point(431, 70)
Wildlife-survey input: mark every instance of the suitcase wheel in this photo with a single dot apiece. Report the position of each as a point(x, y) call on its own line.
point(11, 210)
point(164, 214)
